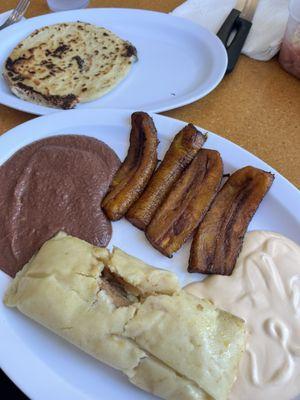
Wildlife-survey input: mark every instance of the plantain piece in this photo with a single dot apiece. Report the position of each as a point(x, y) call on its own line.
point(219, 238)
point(183, 149)
point(136, 170)
point(187, 203)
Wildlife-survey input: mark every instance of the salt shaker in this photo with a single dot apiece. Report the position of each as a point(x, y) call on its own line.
point(289, 56)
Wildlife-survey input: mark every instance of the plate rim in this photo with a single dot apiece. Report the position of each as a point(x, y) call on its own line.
point(26, 106)
point(29, 387)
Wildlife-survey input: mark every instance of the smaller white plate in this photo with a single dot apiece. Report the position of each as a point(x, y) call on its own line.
point(179, 62)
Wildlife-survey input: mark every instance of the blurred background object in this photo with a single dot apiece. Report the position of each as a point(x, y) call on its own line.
point(64, 5)
point(289, 56)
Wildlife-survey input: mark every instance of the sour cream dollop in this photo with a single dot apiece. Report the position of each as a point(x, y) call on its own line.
point(264, 290)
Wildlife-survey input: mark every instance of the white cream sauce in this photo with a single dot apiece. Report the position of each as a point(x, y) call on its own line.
point(264, 290)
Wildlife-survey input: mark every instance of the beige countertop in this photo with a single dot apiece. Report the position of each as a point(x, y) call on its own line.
point(257, 106)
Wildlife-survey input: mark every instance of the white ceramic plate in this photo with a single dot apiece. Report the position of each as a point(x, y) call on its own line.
point(179, 62)
point(43, 365)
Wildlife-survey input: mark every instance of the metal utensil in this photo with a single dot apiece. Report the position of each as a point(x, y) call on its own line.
point(16, 14)
point(238, 23)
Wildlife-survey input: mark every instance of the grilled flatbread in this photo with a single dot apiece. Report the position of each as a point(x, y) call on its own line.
point(63, 64)
point(132, 317)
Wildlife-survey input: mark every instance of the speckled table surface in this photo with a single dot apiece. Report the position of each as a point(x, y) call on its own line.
point(257, 106)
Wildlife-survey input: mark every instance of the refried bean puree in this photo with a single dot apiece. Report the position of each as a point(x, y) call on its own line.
point(53, 184)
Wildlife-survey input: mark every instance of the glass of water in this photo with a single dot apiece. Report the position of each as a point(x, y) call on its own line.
point(64, 5)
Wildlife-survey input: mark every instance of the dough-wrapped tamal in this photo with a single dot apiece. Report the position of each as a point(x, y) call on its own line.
point(132, 317)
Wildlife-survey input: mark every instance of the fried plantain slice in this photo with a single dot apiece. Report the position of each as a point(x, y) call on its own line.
point(219, 238)
point(181, 152)
point(187, 203)
point(136, 170)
